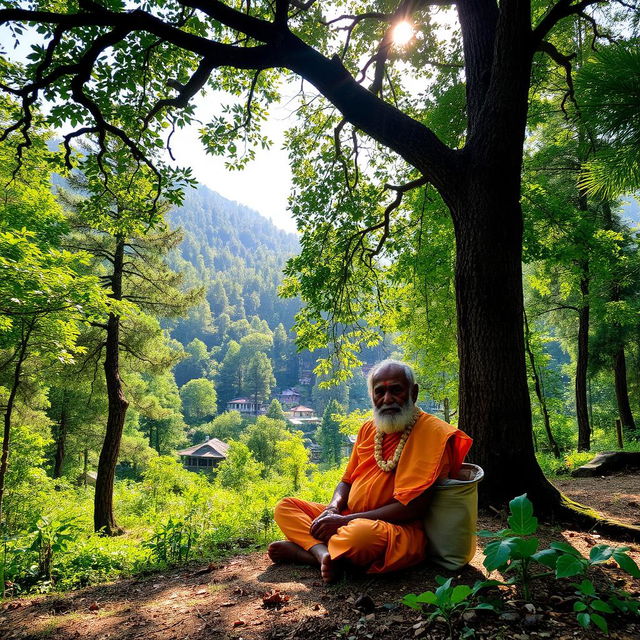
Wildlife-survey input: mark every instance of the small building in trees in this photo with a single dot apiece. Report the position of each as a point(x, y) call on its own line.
point(302, 412)
point(289, 397)
point(204, 456)
point(303, 418)
point(245, 406)
point(347, 447)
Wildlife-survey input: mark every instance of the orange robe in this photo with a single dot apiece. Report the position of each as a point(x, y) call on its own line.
point(434, 449)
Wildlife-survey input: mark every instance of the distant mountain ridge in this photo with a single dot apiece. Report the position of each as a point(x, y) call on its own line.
point(238, 255)
point(241, 228)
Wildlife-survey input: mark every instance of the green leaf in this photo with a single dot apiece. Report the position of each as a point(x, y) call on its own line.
point(460, 592)
point(584, 620)
point(586, 587)
point(484, 606)
point(411, 600)
point(525, 547)
point(626, 563)
point(546, 557)
point(442, 591)
point(568, 566)
point(485, 533)
point(428, 597)
point(483, 584)
point(498, 553)
point(579, 606)
point(600, 622)
point(600, 553)
point(522, 521)
point(600, 605)
point(566, 547)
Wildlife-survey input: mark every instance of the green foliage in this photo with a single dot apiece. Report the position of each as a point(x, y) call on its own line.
point(448, 601)
point(227, 426)
point(329, 436)
point(609, 94)
point(172, 542)
point(262, 438)
point(239, 469)
point(198, 400)
point(275, 410)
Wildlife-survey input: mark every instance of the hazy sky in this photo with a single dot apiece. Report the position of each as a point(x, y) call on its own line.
point(265, 182)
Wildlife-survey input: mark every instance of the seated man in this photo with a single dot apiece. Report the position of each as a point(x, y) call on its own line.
point(374, 519)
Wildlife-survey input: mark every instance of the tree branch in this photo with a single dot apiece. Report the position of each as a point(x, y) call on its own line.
point(564, 62)
point(562, 9)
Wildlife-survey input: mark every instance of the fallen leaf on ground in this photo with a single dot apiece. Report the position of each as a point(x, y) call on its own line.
point(274, 598)
point(238, 623)
point(94, 606)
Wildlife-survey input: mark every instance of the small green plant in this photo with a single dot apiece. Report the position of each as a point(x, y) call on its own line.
point(52, 538)
point(449, 602)
point(172, 541)
point(589, 608)
point(514, 551)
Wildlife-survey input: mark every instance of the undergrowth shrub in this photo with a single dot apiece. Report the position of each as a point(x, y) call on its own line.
point(170, 517)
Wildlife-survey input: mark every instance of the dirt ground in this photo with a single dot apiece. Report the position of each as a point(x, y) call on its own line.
point(226, 601)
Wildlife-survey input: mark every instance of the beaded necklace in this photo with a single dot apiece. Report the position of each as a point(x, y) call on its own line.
point(392, 463)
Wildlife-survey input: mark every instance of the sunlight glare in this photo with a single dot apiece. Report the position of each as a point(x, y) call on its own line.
point(402, 33)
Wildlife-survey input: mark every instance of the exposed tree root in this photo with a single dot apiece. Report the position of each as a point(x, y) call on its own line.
point(586, 518)
point(553, 507)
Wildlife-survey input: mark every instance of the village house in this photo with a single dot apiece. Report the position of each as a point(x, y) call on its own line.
point(245, 406)
point(289, 398)
point(204, 456)
point(302, 412)
point(347, 446)
point(303, 418)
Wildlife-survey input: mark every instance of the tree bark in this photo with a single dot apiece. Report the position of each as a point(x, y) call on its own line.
point(103, 517)
point(446, 410)
point(494, 397)
point(27, 328)
point(539, 394)
point(61, 439)
point(622, 391)
point(582, 407)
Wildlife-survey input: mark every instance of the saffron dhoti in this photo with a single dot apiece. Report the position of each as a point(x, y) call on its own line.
point(433, 449)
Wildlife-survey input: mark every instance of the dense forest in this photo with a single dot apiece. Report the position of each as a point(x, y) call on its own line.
point(172, 364)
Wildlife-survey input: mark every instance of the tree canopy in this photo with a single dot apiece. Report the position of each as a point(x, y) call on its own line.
point(387, 139)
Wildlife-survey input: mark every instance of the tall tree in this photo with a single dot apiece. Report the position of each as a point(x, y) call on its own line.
point(259, 378)
point(123, 229)
point(480, 181)
point(198, 400)
point(329, 436)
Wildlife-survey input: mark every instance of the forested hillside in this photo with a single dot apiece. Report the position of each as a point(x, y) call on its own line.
point(238, 255)
point(172, 365)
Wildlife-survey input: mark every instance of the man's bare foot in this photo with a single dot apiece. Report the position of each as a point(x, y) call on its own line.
point(284, 551)
point(328, 567)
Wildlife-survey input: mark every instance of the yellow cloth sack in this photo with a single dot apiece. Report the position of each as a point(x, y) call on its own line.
point(451, 518)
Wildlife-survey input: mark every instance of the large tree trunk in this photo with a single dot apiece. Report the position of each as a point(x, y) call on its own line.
point(494, 395)
point(582, 407)
point(61, 440)
point(622, 391)
point(21, 356)
point(103, 517)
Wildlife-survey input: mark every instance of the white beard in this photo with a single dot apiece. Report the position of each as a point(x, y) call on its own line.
point(393, 422)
